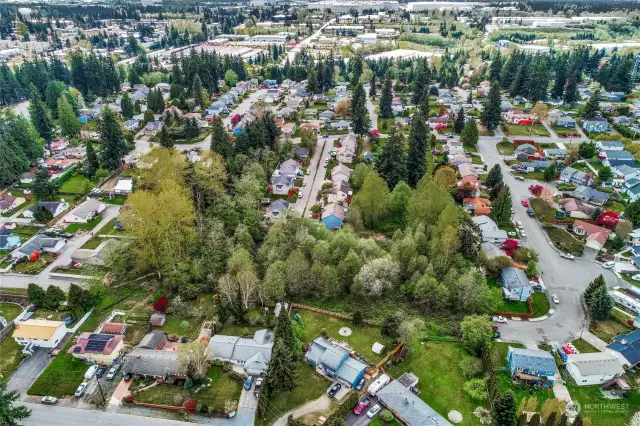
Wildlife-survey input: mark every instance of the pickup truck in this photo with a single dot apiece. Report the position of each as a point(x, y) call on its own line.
point(258, 385)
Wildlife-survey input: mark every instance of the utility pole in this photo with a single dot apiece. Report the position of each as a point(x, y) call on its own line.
point(100, 387)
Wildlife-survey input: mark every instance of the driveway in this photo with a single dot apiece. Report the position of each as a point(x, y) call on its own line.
point(28, 371)
point(353, 419)
point(566, 278)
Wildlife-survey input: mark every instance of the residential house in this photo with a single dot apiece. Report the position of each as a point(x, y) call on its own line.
point(597, 126)
point(281, 184)
point(98, 256)
point(288, 129)
point(526, 151)
point(596, 235)
point(59, 144)
point(340, 192)
point(626, 348)
point(152, 128)
point(295, 103)
point(632, 188)
point(8, 240)
point(289, 168)
point(571, 175)
point(555, 153)
point(155, 364)
point(124, 186)
point(505, 106)
point(516, 116)
point(347, 149)
point(216, 108)
point(489, 230)
point(609, 146)
point(85, 212)
point(339, 125)
point(612, 96)
point(278, 209)
point(396, 105)
point(577, 209)
point(479, 206)
point(310, 127)
point(285, 112)
point(164, 87)
point(616, 164)
point(326, 115)
point(333, 216)
point(55, 207)
point(561, 119)
point(532, 365)
point(457, 158)
point(28, 177)
point(515, 284)
point(536, 165)
point(467, 170)
point(623, 121)
point(253, 355)
point(139, 95)
point(590, 195)
point(616, 155)
point(40, 333)
point(40, 244)
point(115, 328)
point(300, 152)
point(99, 348)
point(341, 172)
point(154, 340)
point(455, 147)
point(408, 407)
point(625, 172)
point(132, 124)
point(593, 368)
point(334, 361)
point(442, 120)
point(158, 319)
point(8, 203)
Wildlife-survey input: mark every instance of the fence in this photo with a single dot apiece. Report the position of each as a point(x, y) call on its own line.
point(331, 314)
point(20, 299)
point(373, 372)
point(7, 330)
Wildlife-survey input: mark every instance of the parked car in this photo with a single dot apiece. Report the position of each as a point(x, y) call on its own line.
point(519, 225)
point(567, 256)
point(81, 389)
point(49, 400)
point(536, 287)
point(636, 277)
point(522, 233)
point(530, 212)
point(360, 384)
point(373, 411)
point(499, 319)
point(91, 372)
point(512, 234)
point(524, 203)
point(520, 178)
point(304, 183)
point(333, 390)
point(609, 265)
point(308, 172)
point(555, 299)
point(112, 372)
point(100, 372)
point(361, 406)
point(248, 383)
point(127, 377)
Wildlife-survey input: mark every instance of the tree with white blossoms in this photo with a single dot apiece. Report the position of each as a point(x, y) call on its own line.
point(635, 420)
point(376, 276)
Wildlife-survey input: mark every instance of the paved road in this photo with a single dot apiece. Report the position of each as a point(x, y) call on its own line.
point(353, 419)
point(564, 277)
point(316, 177)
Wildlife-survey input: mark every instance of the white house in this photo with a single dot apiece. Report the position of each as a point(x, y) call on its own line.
point(593, 368)
point(347, 149)
point(124, 186)
point(39, 332)
point(85, 212)
point(55, 207)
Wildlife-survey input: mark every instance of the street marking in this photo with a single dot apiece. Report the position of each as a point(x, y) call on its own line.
point(540, 330)
point(559, 325)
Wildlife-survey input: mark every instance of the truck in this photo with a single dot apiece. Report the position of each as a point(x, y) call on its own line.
point(378, 384)
point(258, 385)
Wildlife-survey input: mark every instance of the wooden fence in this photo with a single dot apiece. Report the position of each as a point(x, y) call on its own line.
point(512, 314)
point(331, 314)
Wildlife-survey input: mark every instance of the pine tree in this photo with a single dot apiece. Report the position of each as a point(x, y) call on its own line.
point(285, 333)
point(600, 304)
point(504, 411)
point(113, 147)
point(191, 129)
point(40, 116)
point(458, 125)
point(11, 414)
point(43, 187)
point(69, 124)
point(220, 139)
point(564, 420)
point(501, 208)
point(372, 84)
point(356, 70)
point(593, 286)
point(391, 164)
point(166, 140)
point(126, 106)
point(491, 112)
point(281, 374)
point(359, 113)
point(91, 164)
point(386, 97)
point(592, 107)
point(196, 89)
point(495, 176)
point(469, 135)
point(561, 79)
point(312, 81)
point(571, 91)
point(416, 158)
point(550, 173)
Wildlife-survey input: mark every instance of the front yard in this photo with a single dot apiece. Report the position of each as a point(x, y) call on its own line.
point(518, 130)
point(544, 212)
point(10, 359)
point(584, 347)
point(83, 226)
point(61, 377)
point(35, 267)
point(564, 241)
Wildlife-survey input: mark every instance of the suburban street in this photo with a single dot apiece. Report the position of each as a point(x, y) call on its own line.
point(566, 278)
point(316, 177)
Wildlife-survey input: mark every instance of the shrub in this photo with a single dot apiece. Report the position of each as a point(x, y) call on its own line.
point(324, 333)
point(471, 367)
point(204, 409)
point(254, 318)
point(184, 325)
point(357, 318)
point(161, 304)
point(178, 400)
point(386, 416)
point(476, 388)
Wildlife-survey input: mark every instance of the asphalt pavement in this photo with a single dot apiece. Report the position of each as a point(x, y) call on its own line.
point(28, 371)
point(316, 177)
point(354, 419)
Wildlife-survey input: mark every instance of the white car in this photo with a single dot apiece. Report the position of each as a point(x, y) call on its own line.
point(636, 277)
point(522, 234)
point(310, 214)
point(81, 389)
point(49, 400)
point(567, 256)
point(512, 234)
point(304, 183)
point(555, 299)
point(519, 225)
point(609, 265)
point(499, 319)
point(520, 178)
point(91, 372)
point(308, 172)
point(373, 411)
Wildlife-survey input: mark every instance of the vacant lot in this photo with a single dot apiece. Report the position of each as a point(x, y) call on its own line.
point(61, 377)
point(77, 184)
point(518, 130)
point(505, 148)
point(564, 241)
point(10, 359)
point(607, 330)
point(592, 403)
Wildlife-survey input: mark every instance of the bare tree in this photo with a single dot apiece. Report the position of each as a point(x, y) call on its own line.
point(191, 357)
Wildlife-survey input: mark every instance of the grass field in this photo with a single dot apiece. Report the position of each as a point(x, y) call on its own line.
point(601, 411)
point(542, 210)
point(83, 226)
point(584, 347)
point(93, 243)
point(26, 231)
point(564, 241)
point(10, 311)
point(505, 148)
point(540, 304)
point(61, 377)
point(173, 326)
point(78, 184)
point(535, 130)
point(10, 359)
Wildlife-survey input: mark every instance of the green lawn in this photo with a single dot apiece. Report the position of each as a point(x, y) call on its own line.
point(117, 200)
point(238, 330)
point(309, 386)
point(10, 310)
point(601, 411)
point(539, 175)
point(173, 326)
point(163, 394)
point(505, 148)
point(83, 226)
point(26, 231)
point(518, 130)
point(584, 347)
point(93, 243)
point(110, 229)
point(61, 377)
point(542, 210)
point(437, 365)
point(377, 421)
point(607, 330)
point(564, 132)
point(222, 388)
point(78, 184)
point(564, 241)
point(35, 267)
point(10, 359)
point(362, 337)
point(540, 304)
point(513, 307)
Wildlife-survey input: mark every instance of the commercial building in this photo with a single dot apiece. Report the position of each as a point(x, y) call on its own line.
point(421, 6)
point(360, 6)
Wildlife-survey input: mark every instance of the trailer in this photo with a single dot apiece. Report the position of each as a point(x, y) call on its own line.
point(378, 384)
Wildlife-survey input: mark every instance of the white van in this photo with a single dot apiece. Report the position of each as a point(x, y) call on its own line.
point(91, 372)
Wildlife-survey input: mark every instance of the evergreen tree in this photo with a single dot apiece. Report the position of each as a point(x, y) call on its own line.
point(359, 113)
point(550, 173)
point(416, 159)
point(69, 124)
point(571, 91)
point(36, 295)
point(535, 420)
point(600, 304)
point(126, 106)
point(501, 208)
point(312, 81)
point(522, 420)
point(551, 419)
point(593, 286)
point(91, 164)
point(564, 420)
point(10, 413)
point(166, 141)
point(284, 332)
point(458, 125)
point(113, 147)
point(504, 410)
point(220, 139)
point(495, 176)
point(191, 129)
point(43, 187)
point(386, 97)
point(372, 85)
point(592, 107)
point(281, 374)
point(356, 70)
point(469, 135)
point(491, 112)
point(196, 89)
point(40, 116)
point(561, 79)
point(391, 164)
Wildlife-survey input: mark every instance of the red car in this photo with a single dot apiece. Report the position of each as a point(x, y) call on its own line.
point(525, 203)
point(362, 405)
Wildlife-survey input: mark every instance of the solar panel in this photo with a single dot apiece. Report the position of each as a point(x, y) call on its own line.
point(95, 346)
point(97, 336)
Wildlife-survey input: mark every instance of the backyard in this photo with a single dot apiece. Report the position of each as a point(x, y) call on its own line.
point(564, 132)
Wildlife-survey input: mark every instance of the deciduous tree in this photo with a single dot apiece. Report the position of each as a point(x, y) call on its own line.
point(371, 201)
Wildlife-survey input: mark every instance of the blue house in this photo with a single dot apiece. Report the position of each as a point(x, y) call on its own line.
point(335, 362)
point(626, 347)
point(598, 126)
point(515, 284)
point(532, 365)
point(8, 240)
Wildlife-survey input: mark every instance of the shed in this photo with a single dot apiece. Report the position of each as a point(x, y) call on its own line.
point(158, 319)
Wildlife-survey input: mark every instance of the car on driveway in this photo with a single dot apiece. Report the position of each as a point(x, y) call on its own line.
point(512, 234)
point(524, 203)
point(248, 383)
point(127, 377)
point(49, 400)
point(555, 299)
point(373, 411)
point(91, 372)
point(360, 384)
point(519, 225)
point(112, 372)
point(362, 405)
point(333, 390)
point(522, 234)
point(81, 389)
point(100, 372)
point(609, 265)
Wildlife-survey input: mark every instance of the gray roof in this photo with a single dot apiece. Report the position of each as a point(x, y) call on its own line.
point(611, 144)
point(289, 167)
point(619, 155)
point(413, 410)
point(257, 364)
point(514, 278)
point(532, 360)
point(350, 369)
point(86, 209)
point(408, 379)
point(52, 206)
point(153, 340)
point(149, 362)
point(626, 170)
point(278, 206)
point(38, 243)
point(222, 346)
point(599, 363)
point(240, 349)
point(282, 180)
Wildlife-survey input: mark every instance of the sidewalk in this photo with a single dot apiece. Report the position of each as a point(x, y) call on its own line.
point(594, 340)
